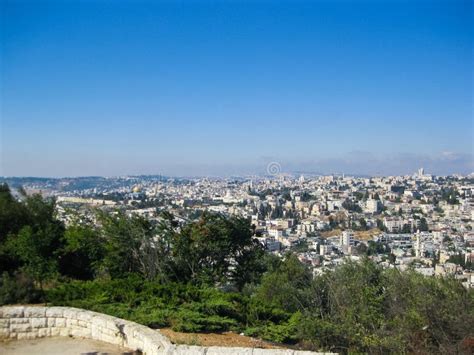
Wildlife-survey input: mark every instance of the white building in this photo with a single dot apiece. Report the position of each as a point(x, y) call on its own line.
point(372, 206)
point(393, 225)
point(347, 238)
point(275, 232)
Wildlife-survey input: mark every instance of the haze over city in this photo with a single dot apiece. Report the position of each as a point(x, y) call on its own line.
point(223, 87)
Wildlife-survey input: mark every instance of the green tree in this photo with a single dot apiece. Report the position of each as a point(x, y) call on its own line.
point(13, 214)
point(375, 248)
point(37, 245)
point(305, 197)
point(380, 225)
point(83, 252)
point(216, 250)
point(129, 245)
point(423, 225)
point(347, 309)
point(286, 286)
point(351, 206)
point(363, 224)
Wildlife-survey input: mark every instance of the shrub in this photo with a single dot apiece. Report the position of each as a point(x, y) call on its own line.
point(187, 320)
point(18, 288)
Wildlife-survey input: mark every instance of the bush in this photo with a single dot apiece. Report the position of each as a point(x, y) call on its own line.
point(286, 332)
point(185, 307)
point(18, 288)
point(188, 320)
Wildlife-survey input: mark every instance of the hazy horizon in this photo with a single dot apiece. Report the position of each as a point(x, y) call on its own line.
point(220, 88)
point(285, 169)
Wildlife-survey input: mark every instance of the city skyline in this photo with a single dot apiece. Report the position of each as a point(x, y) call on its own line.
point(225, 88)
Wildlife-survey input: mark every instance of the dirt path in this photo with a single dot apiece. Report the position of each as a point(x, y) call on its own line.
point(217, 339)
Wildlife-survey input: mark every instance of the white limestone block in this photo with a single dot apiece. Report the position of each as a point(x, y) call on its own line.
point(34, 312)
point(38, 322)
point(20, 328)
point(4, 332)
point(83, 324)
point(133, 343)
point(110, 324)
point(22, 336)
point(19, 320)
point(54, 312)
point(138, 334)
point(64, 332)
point(95, 332)
point(189, 350)
point(85, 316)
point(44, 332)
point(273, 352)
point(111, 339)
point(70, 313)
point(60, 322)
point(71, 322)
point(108, 332)
point(220, 350)
point(99, 321)
point(13, 312)
point(31, 335)
point(129, 328)
point(80, 332)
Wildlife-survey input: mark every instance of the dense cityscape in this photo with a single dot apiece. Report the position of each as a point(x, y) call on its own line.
point(421, 221)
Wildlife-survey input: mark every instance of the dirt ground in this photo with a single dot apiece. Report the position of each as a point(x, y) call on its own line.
point(331, 233)
point(367, 235)
point(217, 339)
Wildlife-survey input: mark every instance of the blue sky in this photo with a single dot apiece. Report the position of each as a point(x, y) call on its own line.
point(206, 87)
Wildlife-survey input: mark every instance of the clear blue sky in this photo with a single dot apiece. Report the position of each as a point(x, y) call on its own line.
point(206, 87)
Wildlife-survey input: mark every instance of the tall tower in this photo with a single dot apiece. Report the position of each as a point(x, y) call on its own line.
point(418, 246)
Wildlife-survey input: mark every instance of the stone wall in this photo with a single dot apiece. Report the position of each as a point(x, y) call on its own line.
point(31, 322)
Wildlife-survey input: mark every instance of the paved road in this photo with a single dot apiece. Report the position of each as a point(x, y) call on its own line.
point(60, 346)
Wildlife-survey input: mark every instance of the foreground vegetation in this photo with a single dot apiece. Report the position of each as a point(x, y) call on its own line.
point(211, 275)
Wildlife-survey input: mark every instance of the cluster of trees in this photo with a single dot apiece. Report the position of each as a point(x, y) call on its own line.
point(211, 275)
point(450, 196)
point(267, 211)
point(215, 250)
point(351, 206)
point(361, 225)
point(30, 237)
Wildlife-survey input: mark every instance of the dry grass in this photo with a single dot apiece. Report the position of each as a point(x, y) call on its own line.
point(367, 235)
point(331, 233)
